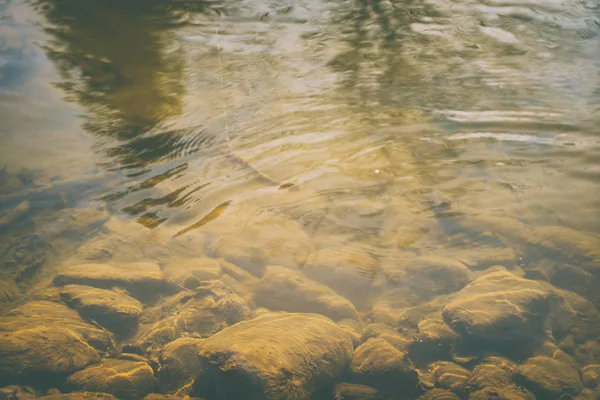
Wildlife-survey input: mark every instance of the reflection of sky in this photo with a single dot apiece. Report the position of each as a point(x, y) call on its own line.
point(39, 130)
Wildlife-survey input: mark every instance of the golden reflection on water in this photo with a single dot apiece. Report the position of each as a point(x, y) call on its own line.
point(392, 152)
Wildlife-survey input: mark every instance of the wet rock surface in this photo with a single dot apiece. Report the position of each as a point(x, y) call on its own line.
point(274, 356)
point(352, 391)
point(122, 378)
point(179, 364)
point(191, 273)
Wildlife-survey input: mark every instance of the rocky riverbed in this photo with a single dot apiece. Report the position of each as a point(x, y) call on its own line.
point(131, 314)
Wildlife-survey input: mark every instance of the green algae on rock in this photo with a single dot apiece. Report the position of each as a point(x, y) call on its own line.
point(448, 375)
point(282, 289)
point(275, 356)
point(127, 380)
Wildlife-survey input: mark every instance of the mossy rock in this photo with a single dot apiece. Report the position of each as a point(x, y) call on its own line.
point(378, 364)
point(275, 356)
point(448, 375)
point(549, 378)
point(434, 339)
point(16, 392)
point(143, 280)
point(126, 380)
point(590, 375)
point(488, 376)
point(510, 392)
point(115, 310)
point(588, 352)
point(179, 364)
point(352, 391)
point(282, 289)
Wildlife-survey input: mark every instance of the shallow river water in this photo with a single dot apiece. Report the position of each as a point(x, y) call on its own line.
point(313, 199)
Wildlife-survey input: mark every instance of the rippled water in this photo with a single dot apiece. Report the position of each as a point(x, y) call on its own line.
point(347, 140)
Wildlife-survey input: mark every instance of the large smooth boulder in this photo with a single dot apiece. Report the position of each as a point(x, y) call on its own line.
point(275, 356)
point(201, 312)
point(500, 308)
point(124, 379)
point(179, 364)
point(378, 364)
point(549, 377)
point(112, 309)
point(282, 289)
point(143, 280)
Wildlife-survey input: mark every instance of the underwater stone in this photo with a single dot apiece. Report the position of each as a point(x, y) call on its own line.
point(282, 289)
point(79, 396)
point(434, 340)
point(8, 289)
point(448, 375)
point(590, 375)
point(510, 392)
point(352, 391)
point(438, 394)
point(499, 307)
point(179, 364)
point(191, 272)
point(141, 279)
point(588, 353)
point(487, 375)
point(378, 364)
point(202, 312)
point(112, 309)
point(275, 356)
point(127, 380)
point(15, 392)
point(548, 377)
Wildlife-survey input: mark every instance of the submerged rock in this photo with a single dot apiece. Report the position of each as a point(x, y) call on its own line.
point(448, 375)
point(500, 308)
point(48, 313)
point(189, 273)
point(438, 394)
point(352, 391)
point(142, 280)
point(15, 392)
point(378, 364)
point(122, 378)
point(510, 392)
point(179, 364)
point(349, 271)
point(274, 356)
point(79, 396)
point(549, 378)
point(434, 339)
point(36, 349)
point(487, 375)
point(431, 276)
point(282, 289)
point(201, 312)
point(8, 289)
point(591, 375)
point(112, 309)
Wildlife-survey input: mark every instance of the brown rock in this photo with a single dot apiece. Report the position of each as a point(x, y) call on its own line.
point(79, 396)
point(15, 392)
point(112, 309)
point(487, 375)
point(352, 391)
point(142, 280)
point(122, 378)
point(8, 289)
point(274, 356)
point(549, 378)
point(438, 394)
point(179, 364)
point(189, 273)
point(282, 289)
point(378, 364)
point(591, 375)
point(448, 375)
point(511, 392)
